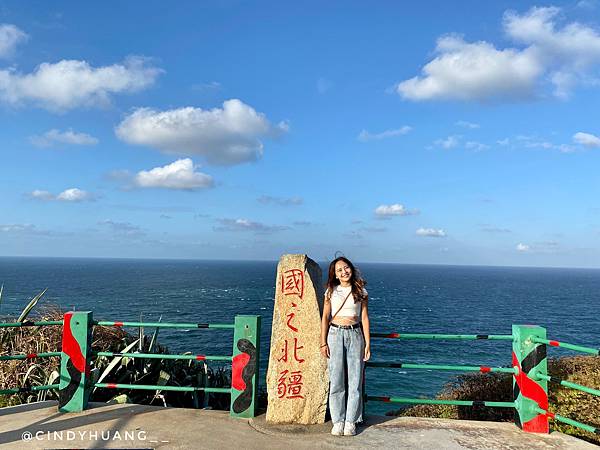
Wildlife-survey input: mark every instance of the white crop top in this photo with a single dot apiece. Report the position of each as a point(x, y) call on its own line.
point(350, 308)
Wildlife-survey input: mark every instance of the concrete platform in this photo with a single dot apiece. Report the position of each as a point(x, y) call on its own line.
point(39, 426)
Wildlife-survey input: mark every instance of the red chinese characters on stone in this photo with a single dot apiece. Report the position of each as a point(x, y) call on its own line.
point(290, 316)
point(292, 282)
point(290, 387)
point(284, 351)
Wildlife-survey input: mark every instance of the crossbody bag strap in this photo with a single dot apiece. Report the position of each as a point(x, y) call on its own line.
point(340, 308)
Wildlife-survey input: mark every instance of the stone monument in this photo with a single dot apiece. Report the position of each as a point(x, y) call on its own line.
point(297, 378)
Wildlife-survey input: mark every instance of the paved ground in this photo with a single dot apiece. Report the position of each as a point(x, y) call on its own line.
point(139, 426)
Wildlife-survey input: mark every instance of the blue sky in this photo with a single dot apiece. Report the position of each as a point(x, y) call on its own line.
point(438, 132)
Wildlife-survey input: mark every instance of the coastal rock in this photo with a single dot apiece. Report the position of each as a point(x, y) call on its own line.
point(297, 378)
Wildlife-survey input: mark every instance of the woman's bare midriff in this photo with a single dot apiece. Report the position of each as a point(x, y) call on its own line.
point(353, 320)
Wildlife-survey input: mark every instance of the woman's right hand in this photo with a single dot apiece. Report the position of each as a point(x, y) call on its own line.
point(325, 351)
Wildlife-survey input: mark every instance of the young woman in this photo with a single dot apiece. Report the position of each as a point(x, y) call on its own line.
point(345, 340)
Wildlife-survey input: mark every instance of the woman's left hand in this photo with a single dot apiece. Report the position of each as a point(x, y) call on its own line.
point(367, 353)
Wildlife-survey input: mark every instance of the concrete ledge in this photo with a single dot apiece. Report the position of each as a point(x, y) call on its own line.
point(176, 428)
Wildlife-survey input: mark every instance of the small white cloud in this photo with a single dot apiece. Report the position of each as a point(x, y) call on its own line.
point(225, 136)
point(10, 37)
point(477, 146)
point(449, 142)
point(465, 124)
point(68, 195)
point(587, 140)
point(69, 137)
point(69, 84)
point(269, 200)
point(431, 232)
point(212, 86)
point(74, 195)
point(523, 247)
point(587, 4)
point(365, 136)
point(385, 211)
point(534, 142)
point(17, 228)
point(123, 228)
point(179, 175)
point(248, 225)
point(41, 195)
point(503, 142)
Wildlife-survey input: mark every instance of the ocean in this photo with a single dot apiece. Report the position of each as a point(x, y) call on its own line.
point(403, 298)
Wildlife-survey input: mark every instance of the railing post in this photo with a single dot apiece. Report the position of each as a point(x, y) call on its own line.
point(529, 360)
point(244, 368)
point(74, 390)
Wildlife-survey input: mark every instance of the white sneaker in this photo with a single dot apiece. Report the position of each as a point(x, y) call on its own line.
point(349, 429)
point(338, 429)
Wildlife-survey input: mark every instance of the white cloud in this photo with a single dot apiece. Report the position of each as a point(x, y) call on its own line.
point(479, 71)
point(385, 211)
point(181, 175)
point(431, 232)
point(68, 195)
point(365, 136)
point(586, 139)
point(69, 84)
point(537, 143)
point(10, 37)
point(292, 201)
point(248, 225)
point(523, 247)
point(225, 136)
point(17, 228)
point(449, 142)
point(473, 71)
point(465, 124)
point(69, 137)
point(41, 195)
point(74, 195)
point(123, 228)
point(477, 146)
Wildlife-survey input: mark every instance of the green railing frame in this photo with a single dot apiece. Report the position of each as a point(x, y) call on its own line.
point(529, 367)
point(75, 387)
point(529, 370)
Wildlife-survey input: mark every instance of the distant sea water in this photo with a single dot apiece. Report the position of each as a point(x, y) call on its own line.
point(403, 298)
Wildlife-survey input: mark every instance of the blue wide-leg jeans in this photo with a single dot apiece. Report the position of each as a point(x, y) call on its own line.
point(345, 345)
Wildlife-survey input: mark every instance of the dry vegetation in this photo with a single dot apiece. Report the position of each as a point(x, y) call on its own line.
point(576, 405)
point(45, 371)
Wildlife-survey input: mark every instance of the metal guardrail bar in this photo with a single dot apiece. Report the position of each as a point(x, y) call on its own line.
point(427, 401)
point(579, 348)
point(106, 323)
point(29, 323)
point(163, 356)
point(474, 337)
point(569, 384)
point(29, 356)
point(161, 388)
point(482, 369)
point(566, 420)
point(28, 389)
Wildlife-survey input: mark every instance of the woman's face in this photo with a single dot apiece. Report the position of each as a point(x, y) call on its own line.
point(343, 272)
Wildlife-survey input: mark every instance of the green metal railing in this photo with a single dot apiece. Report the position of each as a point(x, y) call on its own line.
point(29, 356)
point(244, 360)
point(529, 370)
point(529, 367)
point(76, 356)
